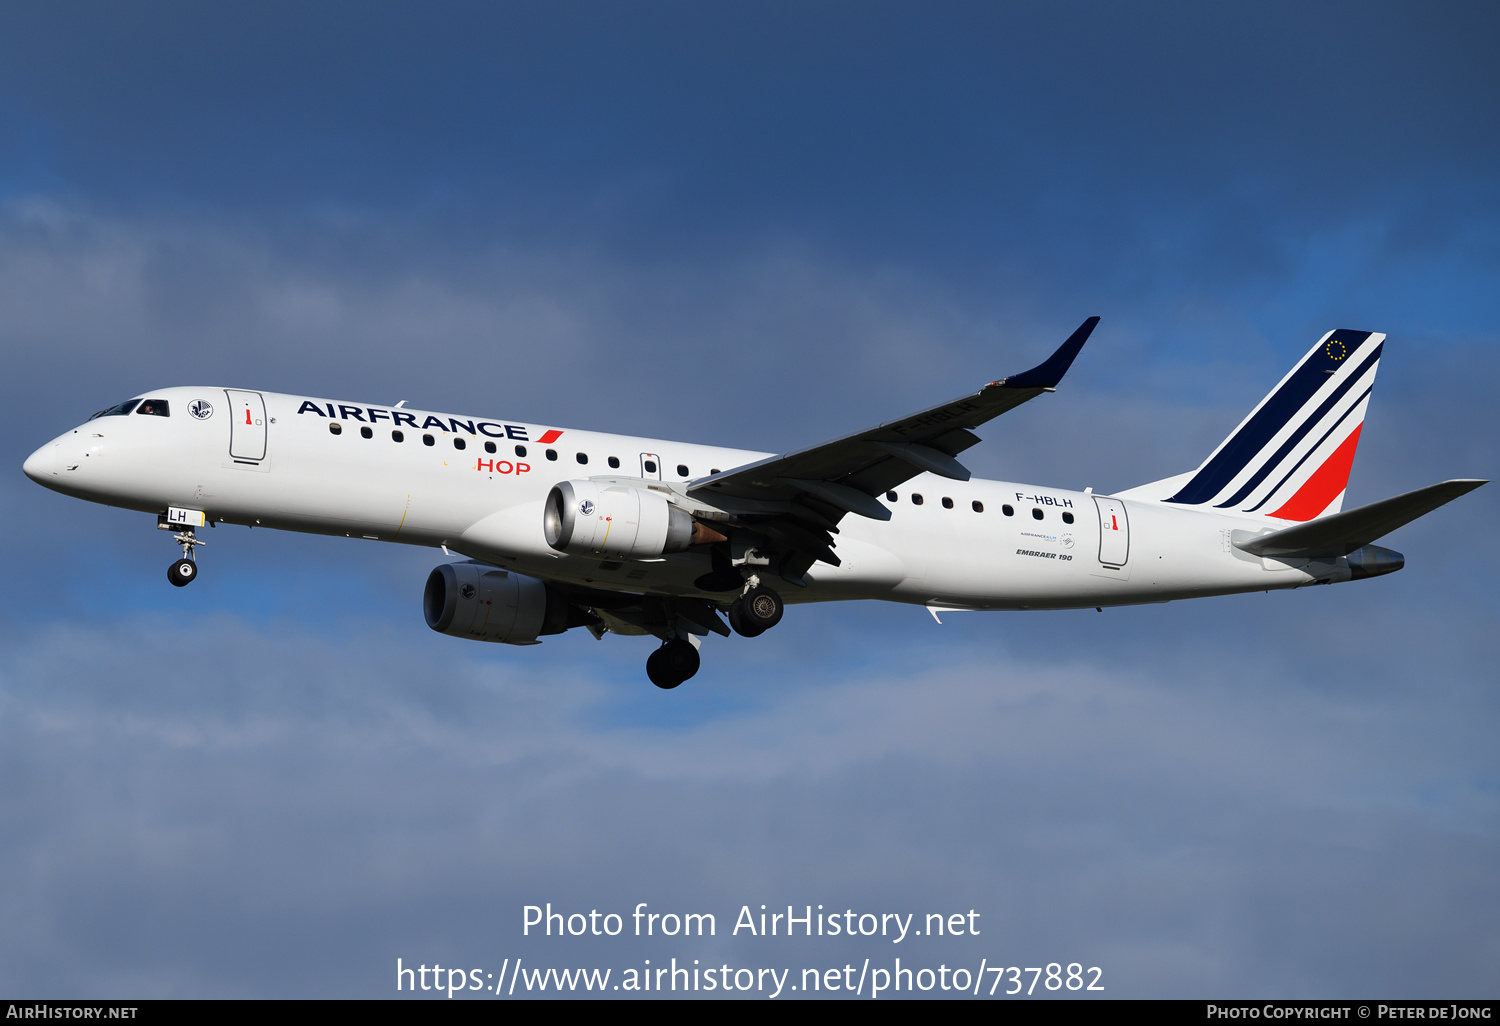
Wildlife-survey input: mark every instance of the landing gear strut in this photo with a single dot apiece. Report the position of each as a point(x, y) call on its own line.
point(184, 571)
point(673, 663)
point(755, 612)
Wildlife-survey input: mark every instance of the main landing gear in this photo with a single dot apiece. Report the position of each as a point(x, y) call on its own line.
point(753, 613)
point(673, 663)
point(184, 571)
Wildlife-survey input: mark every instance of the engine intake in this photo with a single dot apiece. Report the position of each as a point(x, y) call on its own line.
point(486, 603)
point(587, 518)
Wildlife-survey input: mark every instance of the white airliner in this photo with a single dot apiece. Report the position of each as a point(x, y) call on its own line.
point(566, 528)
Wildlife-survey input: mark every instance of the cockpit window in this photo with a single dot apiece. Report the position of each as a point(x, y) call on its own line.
point(154, 408)
point(117, 411)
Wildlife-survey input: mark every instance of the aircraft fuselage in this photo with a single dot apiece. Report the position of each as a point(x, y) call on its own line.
point(477, 486)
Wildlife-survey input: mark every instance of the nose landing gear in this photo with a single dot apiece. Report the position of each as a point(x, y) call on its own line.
point(184, 571)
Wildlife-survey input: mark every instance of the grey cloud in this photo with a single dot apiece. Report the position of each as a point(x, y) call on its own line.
point(1287, 793)
point(210, 807)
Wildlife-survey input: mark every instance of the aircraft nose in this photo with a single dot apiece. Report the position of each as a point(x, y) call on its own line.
point(42, 466)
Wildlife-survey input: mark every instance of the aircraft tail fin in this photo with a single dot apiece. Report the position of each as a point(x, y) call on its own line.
point(1290, 458)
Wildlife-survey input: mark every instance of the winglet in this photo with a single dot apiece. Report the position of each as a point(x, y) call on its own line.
point(1048, 373)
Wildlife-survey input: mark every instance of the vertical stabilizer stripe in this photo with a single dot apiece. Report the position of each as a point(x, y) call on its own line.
point(1273, 415)
point(1302, 430)
point(1325, 484)
point(1310, 452)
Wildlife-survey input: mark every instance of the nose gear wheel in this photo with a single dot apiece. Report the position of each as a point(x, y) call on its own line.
point(184, 571)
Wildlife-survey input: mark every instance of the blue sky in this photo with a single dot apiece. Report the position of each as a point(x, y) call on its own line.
point(758, 227)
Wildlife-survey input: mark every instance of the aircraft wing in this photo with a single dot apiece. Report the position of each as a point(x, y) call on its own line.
point(799, 497)
point(1342, 533)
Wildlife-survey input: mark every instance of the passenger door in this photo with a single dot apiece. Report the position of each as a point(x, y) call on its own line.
point(247, 426)
point(1114, 532)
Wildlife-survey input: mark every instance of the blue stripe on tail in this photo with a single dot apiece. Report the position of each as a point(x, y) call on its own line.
point(1298, 465)
point(1302, 430)
point(1278, 409)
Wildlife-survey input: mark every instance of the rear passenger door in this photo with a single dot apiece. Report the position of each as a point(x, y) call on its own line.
point(1114, 532)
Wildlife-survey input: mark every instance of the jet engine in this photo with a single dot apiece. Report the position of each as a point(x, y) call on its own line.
point(486, 603)
point(589, 518)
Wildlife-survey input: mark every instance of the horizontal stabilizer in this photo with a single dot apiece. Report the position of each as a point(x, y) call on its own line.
point(1342, 533)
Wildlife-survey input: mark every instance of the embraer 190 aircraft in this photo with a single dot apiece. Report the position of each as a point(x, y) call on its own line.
point(622, 535)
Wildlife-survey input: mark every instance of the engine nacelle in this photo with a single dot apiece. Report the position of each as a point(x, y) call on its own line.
point(589, 518)
point(486, 603)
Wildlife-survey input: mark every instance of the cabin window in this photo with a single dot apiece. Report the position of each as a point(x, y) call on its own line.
point(335, 429)
point(1067, 518)
point(552, 454)
point(520, 450)
point(459, 443)
point(1008, 510)
point(428, 440)
point(916, 499)
point(650, 466)
point(365, 432)
point(682, 470)
point(978, 506)
point(397, 436)
point(947, 502)
point(489, 446)
point(583, 457)
point(715, 470)
point(1037, 514)
point(154, 408)
point(891, 496)
point(614, 463)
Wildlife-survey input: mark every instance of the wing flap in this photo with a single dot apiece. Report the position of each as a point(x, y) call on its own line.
point(924, 457)
point(850, 500)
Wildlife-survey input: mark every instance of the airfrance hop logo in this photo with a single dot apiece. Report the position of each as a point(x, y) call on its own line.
point(586, 507)
point(467, 591)
point(201, 408)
